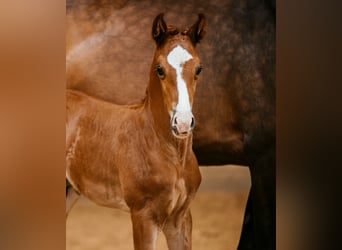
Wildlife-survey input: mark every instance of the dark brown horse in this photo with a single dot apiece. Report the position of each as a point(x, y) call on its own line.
point(139, 157)
point(108, 55)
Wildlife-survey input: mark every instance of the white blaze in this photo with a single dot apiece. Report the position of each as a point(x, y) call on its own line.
point(177, 58)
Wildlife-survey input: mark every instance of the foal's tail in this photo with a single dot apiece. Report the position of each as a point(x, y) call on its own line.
point(67, 186)
point(71, 196)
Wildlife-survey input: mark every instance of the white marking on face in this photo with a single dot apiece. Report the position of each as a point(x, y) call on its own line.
point(177, 58)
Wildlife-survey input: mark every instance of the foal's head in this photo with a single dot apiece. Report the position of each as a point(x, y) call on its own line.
point(178, 66)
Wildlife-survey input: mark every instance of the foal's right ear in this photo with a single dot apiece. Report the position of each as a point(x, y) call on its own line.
point(159, 28)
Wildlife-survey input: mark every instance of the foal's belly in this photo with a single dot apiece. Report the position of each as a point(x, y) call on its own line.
point(104, 195)
point(104, 192)
point(109, 194)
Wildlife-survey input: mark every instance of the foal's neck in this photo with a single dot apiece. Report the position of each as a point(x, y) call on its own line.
point(154, 105)
point(184, 149)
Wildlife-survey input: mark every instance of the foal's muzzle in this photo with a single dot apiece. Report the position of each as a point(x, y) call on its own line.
point(182, 123)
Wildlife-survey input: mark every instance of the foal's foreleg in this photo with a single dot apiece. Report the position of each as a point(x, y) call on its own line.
point(145, 230)
point(178, 232)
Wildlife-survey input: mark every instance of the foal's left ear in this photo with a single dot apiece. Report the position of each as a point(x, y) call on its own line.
point(198, 29)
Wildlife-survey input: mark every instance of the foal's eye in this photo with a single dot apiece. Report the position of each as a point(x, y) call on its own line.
point(160, 72)
point(198, 71)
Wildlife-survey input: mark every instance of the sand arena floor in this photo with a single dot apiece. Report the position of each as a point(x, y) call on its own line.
point(217, 214)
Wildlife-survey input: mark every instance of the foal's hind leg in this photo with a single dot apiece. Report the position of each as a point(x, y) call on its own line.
point(71, 197)
point(178, 233)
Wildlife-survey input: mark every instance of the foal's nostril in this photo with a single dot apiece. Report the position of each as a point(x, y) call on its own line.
point(176, 120)
point(192, 125)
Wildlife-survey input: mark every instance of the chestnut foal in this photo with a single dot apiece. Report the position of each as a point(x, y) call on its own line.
point(139, 158)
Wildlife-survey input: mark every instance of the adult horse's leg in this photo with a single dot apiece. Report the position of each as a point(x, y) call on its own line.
point(259, 227)
point(178, 233)
point(145, 230)
point(71, 197)
point(246, 241)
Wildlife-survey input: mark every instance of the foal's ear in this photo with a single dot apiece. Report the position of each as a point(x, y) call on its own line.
point(198, 29)
point(159, 28)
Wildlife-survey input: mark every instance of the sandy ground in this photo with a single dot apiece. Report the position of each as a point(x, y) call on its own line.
point(217, 216)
